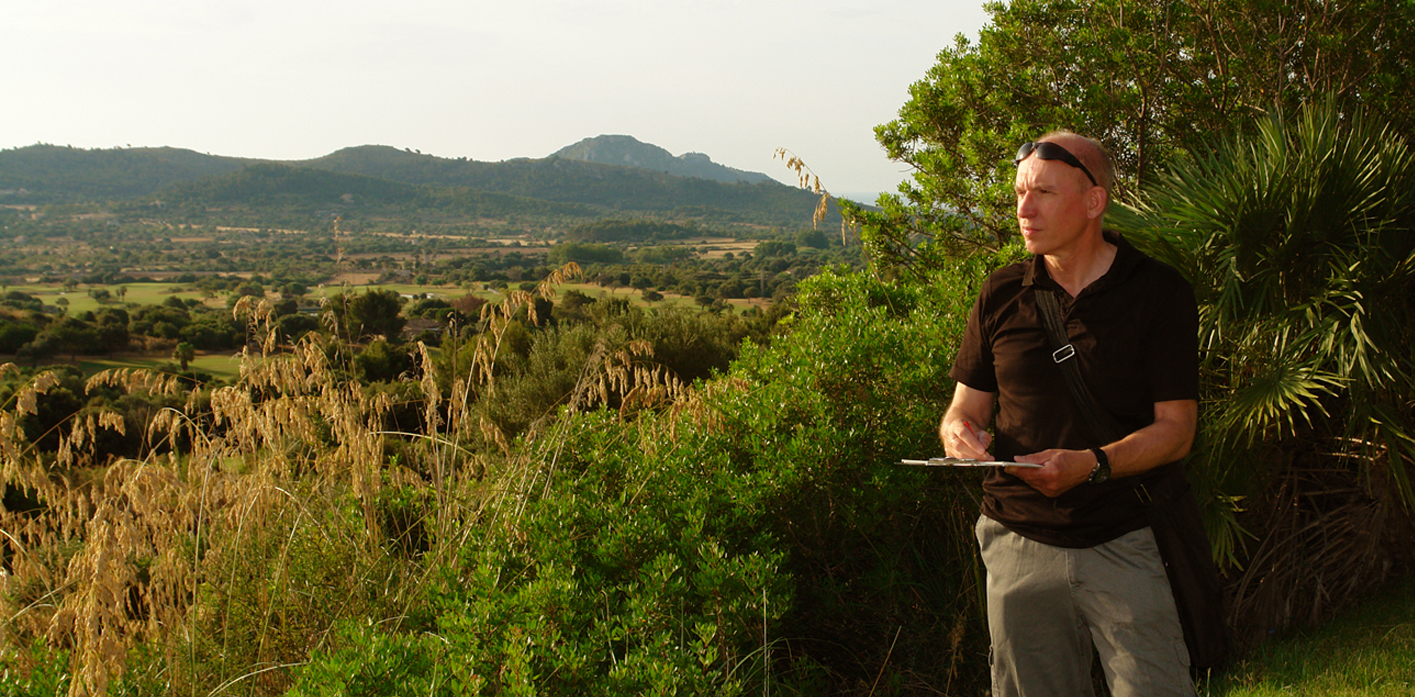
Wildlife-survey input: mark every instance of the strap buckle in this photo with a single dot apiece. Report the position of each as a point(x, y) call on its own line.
point(1062, 354)
point(1143, 494)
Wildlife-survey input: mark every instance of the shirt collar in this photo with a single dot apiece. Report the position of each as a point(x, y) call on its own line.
point(1126, 259)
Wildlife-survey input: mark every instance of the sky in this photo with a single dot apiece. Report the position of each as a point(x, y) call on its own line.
point(489, 81)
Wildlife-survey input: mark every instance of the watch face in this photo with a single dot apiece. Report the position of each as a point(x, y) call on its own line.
point(1101, 471)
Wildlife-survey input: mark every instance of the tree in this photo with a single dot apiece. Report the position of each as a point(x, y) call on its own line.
point(14, 335)
point(815, 239)
point(381, 361)
point(183, 354)
point(772, 248)
point(373, 313)
point(72, 336)
point(1297, 240)
point(1150, 79)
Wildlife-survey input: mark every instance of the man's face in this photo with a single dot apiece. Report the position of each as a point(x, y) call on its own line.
point(1051, 205)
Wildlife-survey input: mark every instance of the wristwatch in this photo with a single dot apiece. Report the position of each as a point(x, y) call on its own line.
point(1101, 471)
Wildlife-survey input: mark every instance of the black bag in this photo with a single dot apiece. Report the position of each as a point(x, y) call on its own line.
point(1173, 514)
point(1188, 561)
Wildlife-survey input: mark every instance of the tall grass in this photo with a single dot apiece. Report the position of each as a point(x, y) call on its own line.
point(745, 534)
point(261, 518)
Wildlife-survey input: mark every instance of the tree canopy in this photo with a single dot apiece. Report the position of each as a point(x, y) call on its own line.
point(1150, 79)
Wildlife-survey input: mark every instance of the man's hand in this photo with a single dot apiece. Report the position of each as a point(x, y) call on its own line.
point(961, 439)
point(1165, 440)
point(1060, 472)
point(963, 429)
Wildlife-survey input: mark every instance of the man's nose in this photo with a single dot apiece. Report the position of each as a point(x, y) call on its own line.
point(1025, 205)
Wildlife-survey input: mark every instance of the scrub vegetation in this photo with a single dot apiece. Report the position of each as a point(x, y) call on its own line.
point(550, 489)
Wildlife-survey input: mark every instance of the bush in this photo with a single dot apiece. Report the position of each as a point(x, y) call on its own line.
point(752, 534)
point(757, 535)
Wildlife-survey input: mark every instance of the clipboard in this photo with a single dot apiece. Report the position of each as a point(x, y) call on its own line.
point(963, 462)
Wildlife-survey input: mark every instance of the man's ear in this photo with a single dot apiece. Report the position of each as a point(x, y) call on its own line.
point(1096, 200)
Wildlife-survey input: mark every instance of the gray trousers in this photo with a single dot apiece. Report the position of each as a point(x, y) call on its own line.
point(1047, 607)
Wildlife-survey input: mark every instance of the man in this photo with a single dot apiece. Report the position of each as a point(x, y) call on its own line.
point(1070, 558)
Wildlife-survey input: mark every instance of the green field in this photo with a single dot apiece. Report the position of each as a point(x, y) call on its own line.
point(590, 289)
point(223, 366)
point(79, 300)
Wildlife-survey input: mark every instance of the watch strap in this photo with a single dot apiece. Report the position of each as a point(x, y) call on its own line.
point(1101, 472)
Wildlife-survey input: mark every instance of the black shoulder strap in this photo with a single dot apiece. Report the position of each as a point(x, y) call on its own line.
point(1103, 425)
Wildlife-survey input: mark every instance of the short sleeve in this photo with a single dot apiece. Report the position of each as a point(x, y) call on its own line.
point(973, 366)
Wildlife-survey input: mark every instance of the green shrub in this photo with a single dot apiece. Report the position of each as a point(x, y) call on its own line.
point(40, 672)
point(757, 536)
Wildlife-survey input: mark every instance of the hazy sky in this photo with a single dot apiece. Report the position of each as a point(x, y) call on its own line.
point(297, 79)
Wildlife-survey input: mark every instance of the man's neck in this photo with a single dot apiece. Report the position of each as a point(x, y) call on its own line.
point(1077, 268)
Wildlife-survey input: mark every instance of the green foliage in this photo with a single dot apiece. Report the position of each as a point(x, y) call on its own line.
point(212, 331)
point(540, 372)
point(857, 385)
point(383, 361)
point(373, 313)
point(584, 253)
point(277, 587)
point(774, 248)
point(635, 231)
point(1148, 79)
point(815, 239)
point(756, 536)
point(21, 301)
point(41, 672)
point(1298, 243)
point(55, 173)
point(372, 663)
point(383, 181)
point(661, 254)
point(14, 335)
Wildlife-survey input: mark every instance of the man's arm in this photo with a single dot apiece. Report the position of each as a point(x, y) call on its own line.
point(964, 429)
point(1166, 440)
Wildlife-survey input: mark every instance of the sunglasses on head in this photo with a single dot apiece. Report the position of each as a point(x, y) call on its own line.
point(1052, 151)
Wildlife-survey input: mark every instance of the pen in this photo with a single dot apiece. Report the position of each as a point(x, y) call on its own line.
point(981, 438)
point(969, 426)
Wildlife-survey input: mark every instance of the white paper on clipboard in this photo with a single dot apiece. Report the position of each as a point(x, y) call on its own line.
point(964, 462)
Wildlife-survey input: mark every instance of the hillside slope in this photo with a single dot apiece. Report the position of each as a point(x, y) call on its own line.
point(627, 151)
point(43, 174)
point(52, 173)
point(613, 187)
point(273, 184)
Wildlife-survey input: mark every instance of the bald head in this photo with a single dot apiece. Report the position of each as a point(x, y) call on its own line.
point(1090, 152)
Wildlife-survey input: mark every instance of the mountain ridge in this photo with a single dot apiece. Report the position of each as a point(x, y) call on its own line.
point(42, 174)
point(630, 152)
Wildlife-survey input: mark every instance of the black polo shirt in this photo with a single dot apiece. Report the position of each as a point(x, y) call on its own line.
point(1135, 331)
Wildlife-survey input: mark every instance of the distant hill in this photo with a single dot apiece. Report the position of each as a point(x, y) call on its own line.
point(268, 184)
point(627, 151)
point(613, 187)
point(50, 173)
point(58, 174)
